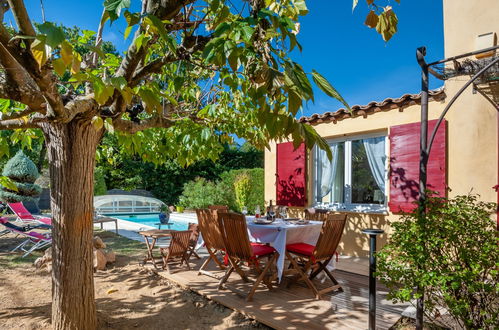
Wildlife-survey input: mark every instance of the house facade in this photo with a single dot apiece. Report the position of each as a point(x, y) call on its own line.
point(373, 175)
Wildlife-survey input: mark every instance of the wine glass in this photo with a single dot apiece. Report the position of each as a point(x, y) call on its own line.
point(283, 212)
point(245, 210)
point(257, 211)
point(271, 215)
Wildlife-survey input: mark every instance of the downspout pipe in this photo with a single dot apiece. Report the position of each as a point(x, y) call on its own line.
point(423, 165)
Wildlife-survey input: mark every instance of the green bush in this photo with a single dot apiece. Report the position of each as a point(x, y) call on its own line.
point(453, 255)
point(22, 172)
point(21, 169)
point(99, 182)
point(242, 189)
point(200, 193)
point(256, 193)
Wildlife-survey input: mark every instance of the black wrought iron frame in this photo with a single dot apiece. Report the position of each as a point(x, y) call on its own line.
point(425, 145)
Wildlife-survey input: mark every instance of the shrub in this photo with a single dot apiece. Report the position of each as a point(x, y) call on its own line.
point(99, 182)
point(256, 193)
point(454, 257)
point(200, 193)
point(22, 172)
point(242, 188)
point(21, 169)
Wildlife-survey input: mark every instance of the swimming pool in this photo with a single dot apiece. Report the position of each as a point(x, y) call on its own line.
point(176, 222)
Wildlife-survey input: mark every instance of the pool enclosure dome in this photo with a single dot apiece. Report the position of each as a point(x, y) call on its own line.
point(126, 204)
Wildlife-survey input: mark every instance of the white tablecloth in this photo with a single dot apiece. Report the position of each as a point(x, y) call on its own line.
point(280, 233)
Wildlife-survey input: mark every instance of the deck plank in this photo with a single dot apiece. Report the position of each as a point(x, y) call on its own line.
point(295, 307)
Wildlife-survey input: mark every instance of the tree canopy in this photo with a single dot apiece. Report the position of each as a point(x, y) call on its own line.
point(195, 74)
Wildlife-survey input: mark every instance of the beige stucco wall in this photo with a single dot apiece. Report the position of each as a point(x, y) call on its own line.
point(472, 162)
point(472, 147)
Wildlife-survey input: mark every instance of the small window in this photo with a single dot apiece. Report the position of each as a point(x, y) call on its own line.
point(355, 178)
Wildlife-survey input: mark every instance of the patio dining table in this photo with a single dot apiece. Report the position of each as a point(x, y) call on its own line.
point(280, 233)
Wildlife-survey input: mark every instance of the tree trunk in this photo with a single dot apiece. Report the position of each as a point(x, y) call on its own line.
point(71, 153)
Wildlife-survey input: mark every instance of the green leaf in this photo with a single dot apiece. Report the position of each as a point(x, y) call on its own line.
point(54, 34)
point(151, 99)
point(40, 50)
point(59, 66)
point(108, 124)
point(67, 52)
point(387, 23)
point(97, 122)
point(8, 183)
point(102, 92)
point(158, 26)
point(114, 7)
point(296, 78)
point(294, 102)
point(327, 88)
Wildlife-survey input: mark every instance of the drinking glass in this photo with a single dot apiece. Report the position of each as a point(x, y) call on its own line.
point(282, 212)
point(257, 211)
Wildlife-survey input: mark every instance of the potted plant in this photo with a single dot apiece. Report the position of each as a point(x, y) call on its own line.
point(180, 209)
point(164, 215)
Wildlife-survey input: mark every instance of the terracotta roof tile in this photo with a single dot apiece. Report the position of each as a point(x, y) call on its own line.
point(372, 107)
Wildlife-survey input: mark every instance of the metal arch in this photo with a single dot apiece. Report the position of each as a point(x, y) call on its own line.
point(455, 97)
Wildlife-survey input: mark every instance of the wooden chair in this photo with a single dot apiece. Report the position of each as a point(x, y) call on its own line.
point(239, 250)
point(317, 215)
point(179, 245)
point(213, 241)
point(193, 241)
point(220, 208)
point(303, 256)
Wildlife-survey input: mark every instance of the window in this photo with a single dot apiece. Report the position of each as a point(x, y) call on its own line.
point(355, 179)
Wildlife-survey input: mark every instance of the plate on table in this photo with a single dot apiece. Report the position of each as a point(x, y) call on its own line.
point(300, 222)
point(262, 222)
point(291, 219)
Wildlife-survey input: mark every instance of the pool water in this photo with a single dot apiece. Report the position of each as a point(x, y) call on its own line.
point(153, 220)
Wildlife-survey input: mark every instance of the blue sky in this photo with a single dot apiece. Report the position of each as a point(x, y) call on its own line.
point(354, 58)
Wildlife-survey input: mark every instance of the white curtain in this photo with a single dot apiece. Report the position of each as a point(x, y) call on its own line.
point(375, 150)
point(326, 171)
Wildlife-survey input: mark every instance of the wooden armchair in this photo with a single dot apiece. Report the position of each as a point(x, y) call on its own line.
point(239, 250)
point(193, 241)
point(213, 241)
point(317, 214)
point(179, 245)
point(219, 208)
point(303, 256)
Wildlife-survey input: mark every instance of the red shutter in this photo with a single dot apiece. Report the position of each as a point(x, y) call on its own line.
point(404, 165)
point(291, 175)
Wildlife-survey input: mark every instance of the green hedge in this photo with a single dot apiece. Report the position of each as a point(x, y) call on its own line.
point(201, 193)
point(99, 182)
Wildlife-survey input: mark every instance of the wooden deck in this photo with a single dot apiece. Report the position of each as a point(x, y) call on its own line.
point(295, 307)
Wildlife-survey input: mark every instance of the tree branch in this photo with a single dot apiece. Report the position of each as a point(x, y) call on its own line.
point(22, 19)
point(131, 127)
point(16, 84)
point(85, 104)
point(152, 67)
point(17, 114)
point(22, 123)
point(98, 38)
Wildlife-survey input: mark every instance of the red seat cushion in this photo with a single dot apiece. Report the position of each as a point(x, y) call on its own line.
point(301, 248)
point(261, 249)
